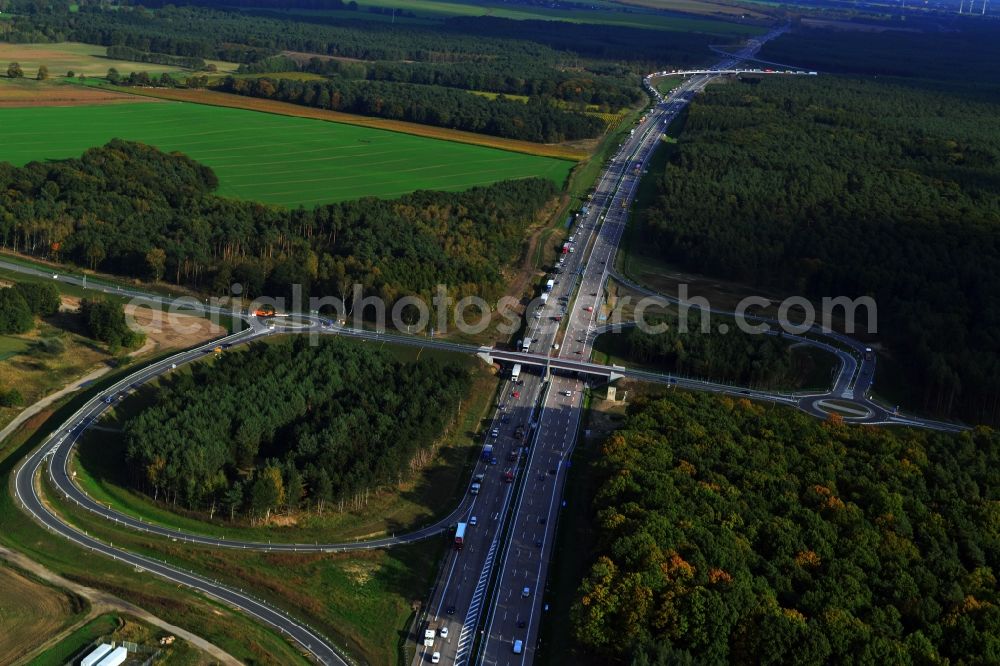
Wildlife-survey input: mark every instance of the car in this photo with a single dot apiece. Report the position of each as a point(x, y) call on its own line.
point(526, 592)
point(444, 632)
point(496, 432)
point(493, 461)
point(436, 658)
point(567, 393)
point(108, 400)
point(516, 395)
point(450, 610)
point(518, 646)
point(541, 521)
point(539, 543)
point(521, 624)
point(552, 472)
point(589, 308)
point(472, 521)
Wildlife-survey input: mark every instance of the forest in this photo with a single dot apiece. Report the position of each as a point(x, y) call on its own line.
point(288, 426)
point(729, 532)
point(611, 89)
point(250, 36)
point(964, 53)
point(829, 187)
point(537, 120)
point(129, 209)
point(756, 361)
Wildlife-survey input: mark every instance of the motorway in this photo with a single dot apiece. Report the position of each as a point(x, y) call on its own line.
point(491, 593)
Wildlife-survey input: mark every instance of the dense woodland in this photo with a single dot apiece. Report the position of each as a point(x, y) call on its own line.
point(129, 209)
point(757, 361)
point(727, 532)
point(611, 89)
point(247, 37)
point(963, 52)
point(829, 187)
point(289, 426)
point(537, 120)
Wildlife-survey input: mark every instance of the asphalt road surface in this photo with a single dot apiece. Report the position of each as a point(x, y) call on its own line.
point(490, 593)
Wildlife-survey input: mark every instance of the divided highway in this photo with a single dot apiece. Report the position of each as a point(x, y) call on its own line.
point(490, 594)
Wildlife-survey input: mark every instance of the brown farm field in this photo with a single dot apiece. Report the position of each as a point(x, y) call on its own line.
point(30, 613)
point(15, 93)
point(213, 98)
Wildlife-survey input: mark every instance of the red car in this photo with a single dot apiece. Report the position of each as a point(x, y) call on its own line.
point(589, 309)
point(516, 394)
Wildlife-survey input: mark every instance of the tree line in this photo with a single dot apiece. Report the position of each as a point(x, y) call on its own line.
point(129, 209)
point(290, 426)
point(611, 90)
point(21, 302)
point(120, 52)
point(730, 533)
point(537, 120)
point(757, 361)
point(246, 36)
point(843, 187)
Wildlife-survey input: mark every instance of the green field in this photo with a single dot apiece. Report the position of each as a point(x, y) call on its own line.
point(88, 59)
point(602, 13)
point(266, 157)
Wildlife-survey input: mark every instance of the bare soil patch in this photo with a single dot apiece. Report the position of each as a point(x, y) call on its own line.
point(19, 94)
point(30, 613)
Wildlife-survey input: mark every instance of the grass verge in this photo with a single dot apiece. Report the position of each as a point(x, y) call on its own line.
point(232, 631)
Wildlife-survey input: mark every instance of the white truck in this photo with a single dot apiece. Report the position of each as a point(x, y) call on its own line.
point(515, 372)
point(430, 633)
point(525, 344)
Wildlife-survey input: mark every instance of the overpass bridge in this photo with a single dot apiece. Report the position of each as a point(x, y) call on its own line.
point(550, 363)
point(730, 72)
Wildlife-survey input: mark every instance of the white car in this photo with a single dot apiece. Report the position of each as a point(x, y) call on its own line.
point(436, 658)
point(567, 393)
point(444, 632)
point(472, 521)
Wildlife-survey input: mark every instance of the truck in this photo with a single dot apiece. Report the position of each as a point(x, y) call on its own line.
point(565, 249)
point(487, 452)
point(545, 297)
point(550, 285)
point(264, 311)
point(515, 372)
point(430, 633)
point(460, 536)
point(97, 654)
point(525, 344)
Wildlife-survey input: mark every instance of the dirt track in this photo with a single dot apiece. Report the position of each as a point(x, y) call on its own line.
point(103, 602)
